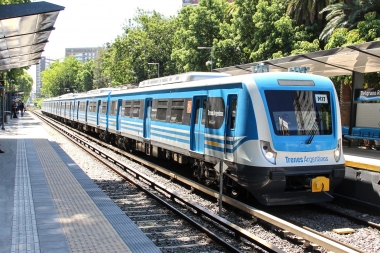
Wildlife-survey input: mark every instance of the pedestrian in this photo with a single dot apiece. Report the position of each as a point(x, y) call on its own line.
point(14, 109)
point(22, 107)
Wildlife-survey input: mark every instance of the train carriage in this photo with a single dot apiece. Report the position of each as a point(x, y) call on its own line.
point(277, 134)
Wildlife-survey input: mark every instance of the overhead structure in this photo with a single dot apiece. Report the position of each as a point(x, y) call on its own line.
point(24, 32)
point(360, 58)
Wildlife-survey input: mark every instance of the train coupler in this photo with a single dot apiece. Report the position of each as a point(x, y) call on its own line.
point(320, 184)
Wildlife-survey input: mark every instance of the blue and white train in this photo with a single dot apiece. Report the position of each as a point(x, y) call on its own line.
point(278, 135)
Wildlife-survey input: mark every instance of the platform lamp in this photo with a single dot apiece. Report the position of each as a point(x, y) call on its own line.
point(208, 48)
point(158, 67)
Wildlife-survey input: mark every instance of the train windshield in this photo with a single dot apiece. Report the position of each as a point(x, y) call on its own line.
point(300, 112)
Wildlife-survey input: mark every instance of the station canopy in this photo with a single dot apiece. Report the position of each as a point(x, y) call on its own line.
point(24, 32)
point(362, 58)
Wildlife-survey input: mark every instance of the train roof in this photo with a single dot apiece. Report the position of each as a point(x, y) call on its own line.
point(210, 80)
point(181, 78)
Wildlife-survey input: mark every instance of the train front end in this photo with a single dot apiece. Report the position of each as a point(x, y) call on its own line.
point(293, 153)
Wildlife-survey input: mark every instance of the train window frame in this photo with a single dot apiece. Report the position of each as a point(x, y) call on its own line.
point(126, 112)
point(162, 109)
point(232, 113)
point(177, 108)
point(136, 107)
point(103, 107)
point(113, 107)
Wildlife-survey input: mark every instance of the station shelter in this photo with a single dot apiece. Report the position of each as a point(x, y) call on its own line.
point(24, 32)
point(362, 107)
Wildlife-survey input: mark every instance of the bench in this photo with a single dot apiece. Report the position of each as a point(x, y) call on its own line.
point(361, 133)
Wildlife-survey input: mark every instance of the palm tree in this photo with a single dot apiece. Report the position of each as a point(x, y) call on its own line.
point(347, 14)
point(306, 11)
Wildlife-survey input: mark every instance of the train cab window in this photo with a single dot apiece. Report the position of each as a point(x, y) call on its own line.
point(136, 109)
point(300, 112)
point(177, 109)
point(113, 108)
point(215, 112)
point(162, 107)
point(104, 107)
point(127, 108)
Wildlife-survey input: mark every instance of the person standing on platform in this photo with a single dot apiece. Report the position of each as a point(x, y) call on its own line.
point(22, 107)
point(14, 109)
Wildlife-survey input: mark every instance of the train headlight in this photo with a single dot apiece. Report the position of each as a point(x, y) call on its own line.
point(267, 152)
point(337, 151)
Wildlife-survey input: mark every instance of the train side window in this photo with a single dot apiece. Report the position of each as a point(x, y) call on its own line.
point(126, 111)
point(136, 109)
point(104, 107)
point(177, 109)
point(162, 108)
point(233, 113)
point(113, 108)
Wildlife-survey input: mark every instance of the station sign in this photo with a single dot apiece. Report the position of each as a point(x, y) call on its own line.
point(370, 94)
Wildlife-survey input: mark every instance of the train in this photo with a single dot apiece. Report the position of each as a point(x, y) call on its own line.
point(275, 136)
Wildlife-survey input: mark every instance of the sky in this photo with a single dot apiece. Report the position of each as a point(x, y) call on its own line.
point(92, 23)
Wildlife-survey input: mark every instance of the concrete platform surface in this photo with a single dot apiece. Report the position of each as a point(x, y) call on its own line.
point(48, 204)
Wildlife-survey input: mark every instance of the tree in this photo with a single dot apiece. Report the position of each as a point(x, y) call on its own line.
point(101, 76)
point(3, 2)
point(147, 38)
point(197, 26)
point(347, 14)
point(86, 77)
point(24, 83)
point(61, 77)
point(307, 11)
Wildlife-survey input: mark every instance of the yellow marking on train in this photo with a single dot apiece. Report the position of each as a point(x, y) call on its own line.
point(320, 184)
point(212, 143)
point(357, 165)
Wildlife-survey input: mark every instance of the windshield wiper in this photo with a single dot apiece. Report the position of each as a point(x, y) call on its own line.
point(313, 131)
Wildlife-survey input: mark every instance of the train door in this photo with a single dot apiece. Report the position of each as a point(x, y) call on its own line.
point(98, 111)
point(229, 139)
point(118, 114)
point(86, 111)
point(77, 111)
point(148, 110)
point(70, 108)
point(198, 119)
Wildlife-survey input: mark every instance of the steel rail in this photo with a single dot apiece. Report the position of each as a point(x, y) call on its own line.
point(322, 241)
point(239, 232)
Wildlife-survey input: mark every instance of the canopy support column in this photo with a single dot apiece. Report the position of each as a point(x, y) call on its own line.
point(357, 83)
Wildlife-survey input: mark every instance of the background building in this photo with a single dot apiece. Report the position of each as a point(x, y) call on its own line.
point(44, 64)
point(83, 54)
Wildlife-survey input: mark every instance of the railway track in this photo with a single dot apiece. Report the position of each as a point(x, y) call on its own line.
point(307, 236)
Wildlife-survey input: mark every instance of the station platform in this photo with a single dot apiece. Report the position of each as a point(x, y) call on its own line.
point(48, 204)
point(359, 158)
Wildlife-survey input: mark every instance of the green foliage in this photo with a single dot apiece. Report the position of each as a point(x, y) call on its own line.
point(369, 29)
point(347, 15)
point(85, 77)
point(3, 2)
point(197, 27)
point(306, 11)
point(148, 39)
point(61, 77)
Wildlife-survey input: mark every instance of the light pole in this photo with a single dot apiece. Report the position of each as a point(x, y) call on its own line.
point(158, 67)
point(209, 48)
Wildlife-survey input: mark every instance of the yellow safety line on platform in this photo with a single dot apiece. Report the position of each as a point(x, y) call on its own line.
point(364, 166)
